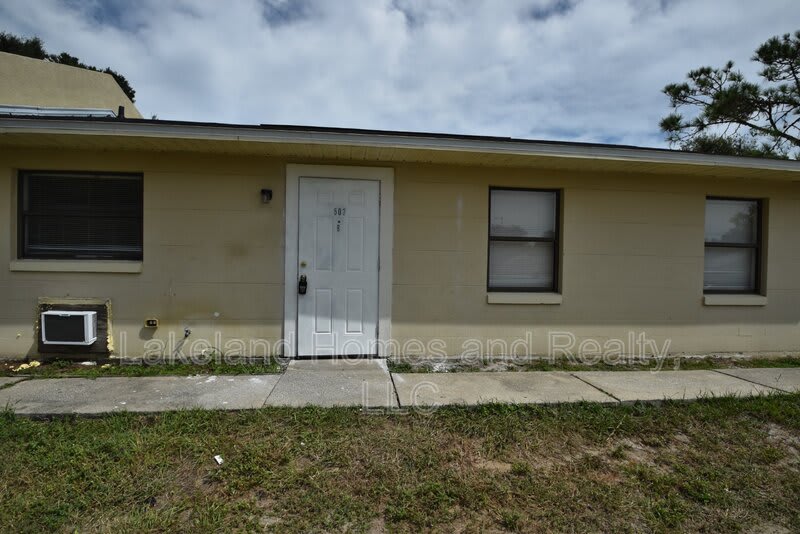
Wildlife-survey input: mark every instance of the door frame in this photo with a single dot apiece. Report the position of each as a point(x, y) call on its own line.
point(383, 175)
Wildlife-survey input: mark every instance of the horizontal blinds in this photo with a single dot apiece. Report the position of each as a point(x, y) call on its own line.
point(730, 269)
point(520, 264)
point(75, 216)
point(523, 239)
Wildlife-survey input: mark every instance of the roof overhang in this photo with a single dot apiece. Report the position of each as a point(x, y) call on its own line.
point(375, 146)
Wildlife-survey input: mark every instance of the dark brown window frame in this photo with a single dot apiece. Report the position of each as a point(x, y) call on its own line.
point(555, 240)
point(22, 217)
point(757, 247)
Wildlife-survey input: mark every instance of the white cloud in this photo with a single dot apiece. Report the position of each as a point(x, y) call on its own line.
point(581, 70)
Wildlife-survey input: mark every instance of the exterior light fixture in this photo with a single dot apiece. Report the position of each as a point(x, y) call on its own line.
point(266, 195)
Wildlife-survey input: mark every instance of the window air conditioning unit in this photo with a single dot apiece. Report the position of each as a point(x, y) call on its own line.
point(61, 327)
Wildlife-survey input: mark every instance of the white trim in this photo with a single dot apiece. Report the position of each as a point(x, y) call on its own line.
point(388, 139)
point(385, 175)
point(75, 266)
point(523, 298)
point(56, 112)
point(734, 300)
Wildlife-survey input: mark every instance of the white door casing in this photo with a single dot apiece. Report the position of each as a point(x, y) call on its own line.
point(339, 224)
point(338, 263)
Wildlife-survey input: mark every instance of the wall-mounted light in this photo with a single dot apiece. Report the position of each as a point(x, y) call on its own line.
point(266, 195)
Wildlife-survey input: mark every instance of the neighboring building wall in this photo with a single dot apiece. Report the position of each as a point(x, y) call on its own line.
point(632, 258)
point(26, 81)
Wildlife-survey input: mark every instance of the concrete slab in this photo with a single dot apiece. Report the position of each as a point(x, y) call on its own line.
point(630, 386)
point(145, 394)
point(335, 382)
point(8, 380)
point(438, 389)
point(785, 379)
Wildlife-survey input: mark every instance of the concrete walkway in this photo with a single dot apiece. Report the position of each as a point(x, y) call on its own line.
point(368, 383)
point(335, 383)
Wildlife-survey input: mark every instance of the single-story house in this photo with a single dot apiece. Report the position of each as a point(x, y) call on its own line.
point(265, 239)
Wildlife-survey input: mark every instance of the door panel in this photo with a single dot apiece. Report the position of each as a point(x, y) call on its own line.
point(338, 254)
point(324, 244)
point(355, 309)
point(355, 244)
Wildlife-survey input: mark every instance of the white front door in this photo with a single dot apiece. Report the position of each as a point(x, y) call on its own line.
point(338, 261)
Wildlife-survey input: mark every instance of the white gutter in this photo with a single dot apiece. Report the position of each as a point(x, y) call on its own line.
point(384, 140)
point(56, 112)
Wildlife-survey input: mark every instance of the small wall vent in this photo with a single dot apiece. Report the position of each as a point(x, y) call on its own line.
point(69, 327)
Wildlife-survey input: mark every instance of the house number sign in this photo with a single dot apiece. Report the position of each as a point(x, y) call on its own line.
point(339, 212)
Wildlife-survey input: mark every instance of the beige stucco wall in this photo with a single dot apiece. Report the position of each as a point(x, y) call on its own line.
point(213, 258)
point(26, 81)
point(632, 261)
point(210, 246)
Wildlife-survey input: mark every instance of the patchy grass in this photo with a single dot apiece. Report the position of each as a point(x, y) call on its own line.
point(670, 363)
point(721, 465)
point(62, 368)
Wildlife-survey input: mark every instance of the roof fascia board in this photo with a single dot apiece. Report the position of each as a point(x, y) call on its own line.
point(389, 140)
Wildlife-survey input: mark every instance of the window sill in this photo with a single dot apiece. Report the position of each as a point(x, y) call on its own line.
point(524, 298)
point(76, 266)
point(734, 300)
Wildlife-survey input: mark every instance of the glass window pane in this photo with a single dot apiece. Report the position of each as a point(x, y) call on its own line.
point(523, 213)
point(731, 221)
point(81, 216)
point(520, 264)
point(730, 269)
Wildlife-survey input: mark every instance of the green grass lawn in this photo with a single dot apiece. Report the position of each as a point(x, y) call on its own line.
point(717, 465)
point(62, 368)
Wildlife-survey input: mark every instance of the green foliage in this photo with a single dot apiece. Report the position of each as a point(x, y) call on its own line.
point(733, 145)
point(34, 47)
point(733, 116)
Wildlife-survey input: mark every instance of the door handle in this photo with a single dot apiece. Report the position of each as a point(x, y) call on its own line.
point(302, 285)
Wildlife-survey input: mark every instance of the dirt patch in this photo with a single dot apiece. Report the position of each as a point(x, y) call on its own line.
point(786, 441)
point(768, 528)
point(378, 526)
point(493, 465)
point(268, 521)
point(779, 435)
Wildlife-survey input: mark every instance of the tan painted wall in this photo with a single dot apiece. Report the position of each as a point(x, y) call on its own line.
point(632, 262)
point(210, 245)
point(26, 81)
point(632, 257)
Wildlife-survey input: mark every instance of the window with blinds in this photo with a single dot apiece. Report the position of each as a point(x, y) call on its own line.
point(80, 215)
point(523, 240)
point(733, 246)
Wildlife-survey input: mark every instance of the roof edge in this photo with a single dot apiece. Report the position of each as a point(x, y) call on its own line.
point(376, 138)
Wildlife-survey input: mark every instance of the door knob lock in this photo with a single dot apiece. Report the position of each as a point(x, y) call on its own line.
point(302, 285)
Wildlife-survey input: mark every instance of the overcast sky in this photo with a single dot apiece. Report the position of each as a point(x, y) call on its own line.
point(578, 70)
